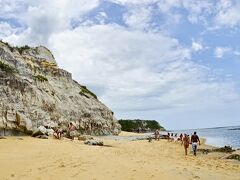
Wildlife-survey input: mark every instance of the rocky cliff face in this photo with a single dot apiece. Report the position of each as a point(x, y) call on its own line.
point(35, 92)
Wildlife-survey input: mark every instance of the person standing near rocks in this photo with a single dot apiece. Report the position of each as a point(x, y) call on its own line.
point(72, 130)
point(194, 140)
point(57, 133)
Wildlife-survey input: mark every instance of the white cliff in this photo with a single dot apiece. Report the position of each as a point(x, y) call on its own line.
point(35, 92)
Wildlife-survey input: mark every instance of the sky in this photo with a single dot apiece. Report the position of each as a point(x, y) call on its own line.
point(174, 61)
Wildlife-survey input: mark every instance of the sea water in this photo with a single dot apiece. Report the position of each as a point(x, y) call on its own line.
point(219, 137)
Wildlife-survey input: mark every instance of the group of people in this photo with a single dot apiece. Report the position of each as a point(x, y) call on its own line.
point(186, 141)
point(58, 133)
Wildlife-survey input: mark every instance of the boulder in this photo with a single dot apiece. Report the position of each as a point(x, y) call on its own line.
point(234, 156)
point(39, 131)
point(225, 149)
point(84, 137)
point(2, 137)
point(94, 142)
point(50, 132)
point(204, 151)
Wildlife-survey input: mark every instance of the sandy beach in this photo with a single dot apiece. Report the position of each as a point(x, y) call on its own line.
point(24, 158)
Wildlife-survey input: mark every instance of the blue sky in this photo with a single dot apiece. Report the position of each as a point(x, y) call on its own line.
point(176, 61)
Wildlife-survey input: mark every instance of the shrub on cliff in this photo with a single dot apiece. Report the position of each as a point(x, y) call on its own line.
point(85, 92)
point(8, 45)
point(21, 49)
point(41, 78)
point(6, 67)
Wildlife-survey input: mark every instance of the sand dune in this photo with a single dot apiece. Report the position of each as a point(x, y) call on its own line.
point(31, 158)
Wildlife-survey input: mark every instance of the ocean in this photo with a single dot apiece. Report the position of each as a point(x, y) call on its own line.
point(219, 136)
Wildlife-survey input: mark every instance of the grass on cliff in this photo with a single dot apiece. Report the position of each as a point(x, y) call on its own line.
point(41, 78)
point(19, 49)
point(8, 45)
point(6, 68)
point(85, 92)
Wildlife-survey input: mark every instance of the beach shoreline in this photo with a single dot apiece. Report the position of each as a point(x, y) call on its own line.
point(218, 137)
point(32, 158)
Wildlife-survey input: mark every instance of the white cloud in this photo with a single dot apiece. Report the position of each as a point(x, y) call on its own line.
point(6, 30)
point(133, 70)
point(237, 53)
point(10, 9)
point(196, 46)
point(134, 2)
point(138, 17)
point(206, 12)
point(43, 18)
point(228, 14)
point(101, 17)
point(219, 52)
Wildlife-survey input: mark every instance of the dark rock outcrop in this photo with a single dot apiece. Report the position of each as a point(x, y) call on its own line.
point(225, 149)
point(234, 156)
point(93, 142)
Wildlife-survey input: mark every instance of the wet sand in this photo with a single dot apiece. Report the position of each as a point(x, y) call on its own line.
point(50, 159)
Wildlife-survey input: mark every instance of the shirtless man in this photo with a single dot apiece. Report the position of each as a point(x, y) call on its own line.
point(194, 140)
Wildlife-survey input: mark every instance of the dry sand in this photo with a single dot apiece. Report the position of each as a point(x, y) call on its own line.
point(51, 159)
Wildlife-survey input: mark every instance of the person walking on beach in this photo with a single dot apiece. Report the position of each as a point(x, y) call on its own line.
point(194, 140)
point(157, 134)
point(181, 137)
point(168, 136)
point(185, 143)
point(72, 130)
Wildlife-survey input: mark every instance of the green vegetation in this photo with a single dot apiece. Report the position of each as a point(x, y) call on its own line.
point(8, 45)
point(85, 92)
point(144, 125)
point(53, 93)
point(21, 49)
point(6, 67)
point(41, 78)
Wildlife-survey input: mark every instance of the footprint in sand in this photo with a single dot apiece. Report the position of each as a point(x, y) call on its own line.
point(209, 165)
point(75, 175)
point(61, 165)
point(152, 176)
point(76, 165)
point(196, 177)
point(41, 168)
